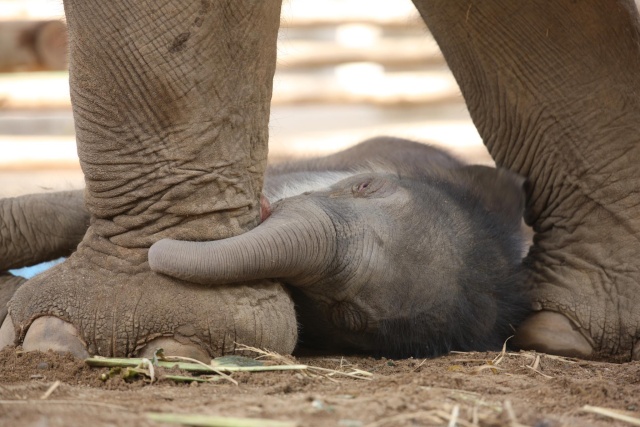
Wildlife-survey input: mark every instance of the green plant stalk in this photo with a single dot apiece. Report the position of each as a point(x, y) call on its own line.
point(191, 367)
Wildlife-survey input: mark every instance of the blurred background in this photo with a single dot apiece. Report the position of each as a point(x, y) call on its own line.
point(347, 70)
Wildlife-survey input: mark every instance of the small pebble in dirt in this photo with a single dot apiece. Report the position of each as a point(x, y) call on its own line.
point(546, 423)
point(321, 406)
point(391, 363)
point(43, 365)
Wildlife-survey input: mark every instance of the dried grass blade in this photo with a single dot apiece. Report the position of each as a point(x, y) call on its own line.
point(50, 390)
point(455, 412)
point(499, 358)
point(511, 414)
point(111, 362)
point(230, 369)
point(433, 417)
point(213, 421)
point(266, 354)
point(536, 363)
point(483, 361)
point(537, 371)
point(562, 358)
point(197, 362)
point(606, 412)
point(447, 417)
point(64, 402)
point(479, 369)
point(146, 364)
point(355, 373)
point(420, 365)
point(474, 416)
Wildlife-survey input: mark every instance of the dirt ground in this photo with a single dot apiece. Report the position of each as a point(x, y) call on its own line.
point(459, 389)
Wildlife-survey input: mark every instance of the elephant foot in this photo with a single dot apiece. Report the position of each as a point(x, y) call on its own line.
point(585, 293)
point(50, 333)
point(94, 304)
point(554, 333)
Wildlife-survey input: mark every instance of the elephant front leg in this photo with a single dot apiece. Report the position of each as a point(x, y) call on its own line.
point(171, 103)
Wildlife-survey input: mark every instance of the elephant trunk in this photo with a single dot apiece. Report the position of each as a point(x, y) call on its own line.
point(40, 227)
point(294, 242)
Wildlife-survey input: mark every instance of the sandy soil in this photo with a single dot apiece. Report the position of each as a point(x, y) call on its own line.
point(401, 393)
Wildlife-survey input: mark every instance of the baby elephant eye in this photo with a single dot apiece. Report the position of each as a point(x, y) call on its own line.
point(367, 187)
point(364, 188)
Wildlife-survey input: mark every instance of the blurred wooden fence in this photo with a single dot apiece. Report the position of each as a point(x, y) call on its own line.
point(337, 53)
point(346, 70)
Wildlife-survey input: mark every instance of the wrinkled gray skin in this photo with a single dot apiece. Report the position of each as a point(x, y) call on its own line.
point(172, 110)
point(392, 248)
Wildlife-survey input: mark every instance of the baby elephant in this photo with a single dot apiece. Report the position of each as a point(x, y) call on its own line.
point(391, 248)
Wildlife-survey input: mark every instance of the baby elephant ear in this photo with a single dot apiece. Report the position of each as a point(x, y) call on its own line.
point(499, 190)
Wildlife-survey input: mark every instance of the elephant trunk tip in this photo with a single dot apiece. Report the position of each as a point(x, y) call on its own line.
point(158, 255)
point(206, 263)
point(165, 257)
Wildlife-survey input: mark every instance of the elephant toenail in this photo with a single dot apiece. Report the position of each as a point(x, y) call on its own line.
point(553, 333)
point(50, 333)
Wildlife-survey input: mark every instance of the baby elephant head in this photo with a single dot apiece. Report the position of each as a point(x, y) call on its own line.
point(381, 263)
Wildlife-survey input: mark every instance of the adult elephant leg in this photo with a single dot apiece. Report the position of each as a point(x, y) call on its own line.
point(552, 88)
point(171, 102)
